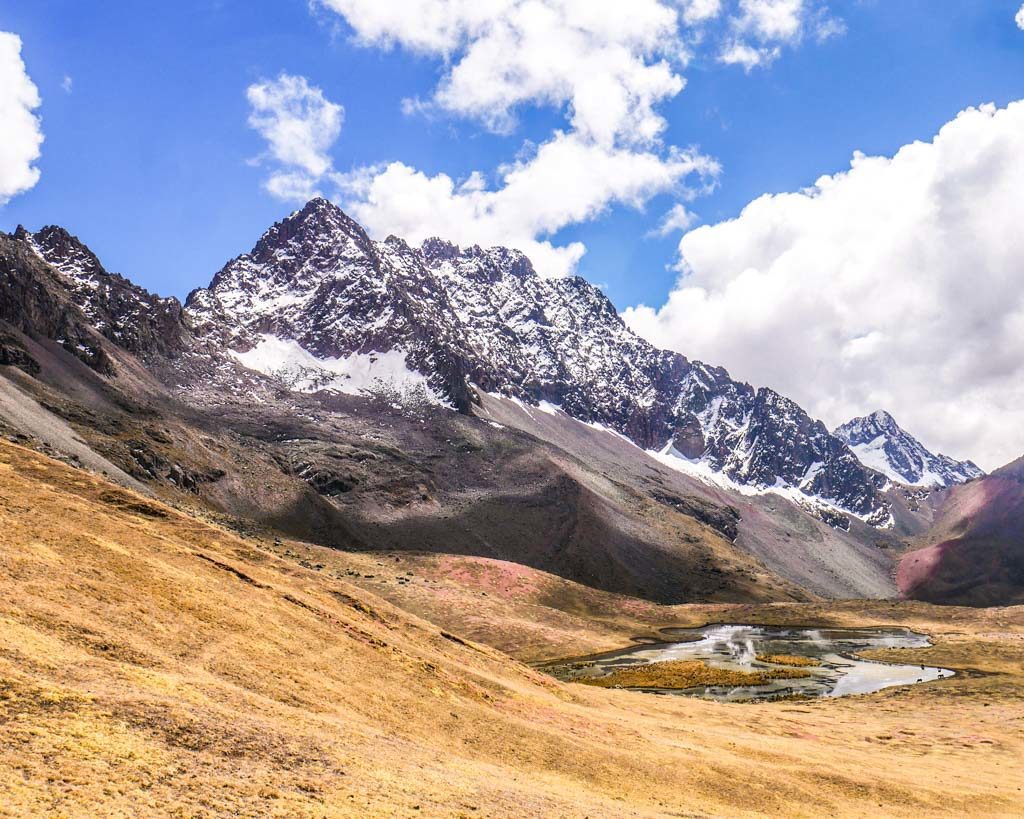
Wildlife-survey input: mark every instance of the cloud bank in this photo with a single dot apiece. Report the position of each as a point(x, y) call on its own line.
point(21, 134)
point(895, 285)
point(568, 180)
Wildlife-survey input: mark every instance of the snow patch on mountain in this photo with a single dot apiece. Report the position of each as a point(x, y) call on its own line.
point(884, 446)
point(353, 374)
point(802, 495)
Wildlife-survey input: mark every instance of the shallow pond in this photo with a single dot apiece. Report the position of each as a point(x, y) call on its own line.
point(830, 666)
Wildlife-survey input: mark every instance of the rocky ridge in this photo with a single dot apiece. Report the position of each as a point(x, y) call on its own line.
point(316, 288)
point(126, 314)
point(883, 445)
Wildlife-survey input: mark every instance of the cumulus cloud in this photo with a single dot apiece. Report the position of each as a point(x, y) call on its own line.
point(761, 27)
point(609, 63)
point(569, 180)
point(606, 65)
point(700, 11)
point(771, 19)
point(893, 285)
point(300, 126)
point(21, 133)
point(1020, 18)
point(677, 220)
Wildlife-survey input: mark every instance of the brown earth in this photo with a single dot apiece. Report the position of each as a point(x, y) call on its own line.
point(974, 552)
point(154, 664)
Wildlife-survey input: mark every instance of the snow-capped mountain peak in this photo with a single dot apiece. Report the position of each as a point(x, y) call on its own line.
point(883, 445)
point(316, 288)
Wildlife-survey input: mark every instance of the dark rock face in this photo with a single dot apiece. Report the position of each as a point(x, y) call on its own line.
point(128, 315)
point(723, 519)
point(14, 354)
point(34, 301)
point(469, 318)
point(327, 470)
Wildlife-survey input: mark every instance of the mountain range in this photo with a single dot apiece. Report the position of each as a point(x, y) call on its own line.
point(365, 394)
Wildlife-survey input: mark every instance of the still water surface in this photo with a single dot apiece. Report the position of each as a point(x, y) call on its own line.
point(836, 673)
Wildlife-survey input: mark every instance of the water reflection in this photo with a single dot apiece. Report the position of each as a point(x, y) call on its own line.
point(834, 672)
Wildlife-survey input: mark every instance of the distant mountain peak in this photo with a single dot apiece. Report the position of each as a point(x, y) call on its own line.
point(883, 445)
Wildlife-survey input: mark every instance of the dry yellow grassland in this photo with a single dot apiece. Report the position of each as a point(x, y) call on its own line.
point(152, 664)
point(787, 659)
point(682, 674)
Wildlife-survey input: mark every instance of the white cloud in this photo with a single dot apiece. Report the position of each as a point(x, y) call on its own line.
point(20, 130)
point(677, 220)
point(895, 285)
point(607, 65)
point(1020, 18)
point(67, 84)
point(761, 27)
point(608, 62)
point(743, 54)
point(300, 126)
point(569, 180)
point(828, 27)
point(700, 11)
point(771, 19)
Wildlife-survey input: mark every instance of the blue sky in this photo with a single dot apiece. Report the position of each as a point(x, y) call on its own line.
point(175, 134)
point(145, 158)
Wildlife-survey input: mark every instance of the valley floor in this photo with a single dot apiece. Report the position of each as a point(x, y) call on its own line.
point(152, 663)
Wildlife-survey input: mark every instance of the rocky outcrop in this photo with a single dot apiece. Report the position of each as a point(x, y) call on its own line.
point(34, 302)
point(126, 314)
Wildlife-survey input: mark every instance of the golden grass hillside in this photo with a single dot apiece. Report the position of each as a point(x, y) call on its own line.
point(152, 664)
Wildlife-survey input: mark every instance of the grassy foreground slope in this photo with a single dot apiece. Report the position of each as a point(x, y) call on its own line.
point(152, 664)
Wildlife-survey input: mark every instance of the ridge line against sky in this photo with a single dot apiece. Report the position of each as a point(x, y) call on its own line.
point(571, 123)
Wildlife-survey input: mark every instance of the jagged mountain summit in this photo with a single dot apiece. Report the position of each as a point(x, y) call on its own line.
point(320, 305)
point(288, 380)
point(883, 445)
point(125, 313)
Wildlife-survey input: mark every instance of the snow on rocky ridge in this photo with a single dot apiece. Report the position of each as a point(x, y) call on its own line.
point(318, 305)
point(125, 313)
point(467, 319)
point(881, 444)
